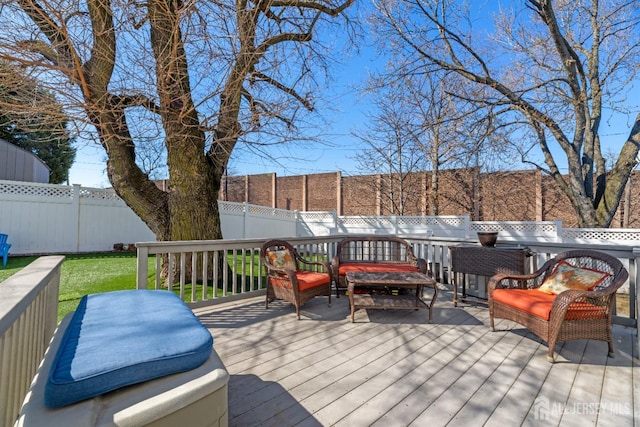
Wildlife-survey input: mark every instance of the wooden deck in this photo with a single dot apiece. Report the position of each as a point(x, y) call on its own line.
point(393, 368)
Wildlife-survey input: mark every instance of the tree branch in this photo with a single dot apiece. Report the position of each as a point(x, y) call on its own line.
point(137, 100)
point(322, 8)
point(304, 101)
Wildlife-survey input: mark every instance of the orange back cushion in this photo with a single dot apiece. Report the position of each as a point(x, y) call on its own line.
point(565, 276)
point(282, 259)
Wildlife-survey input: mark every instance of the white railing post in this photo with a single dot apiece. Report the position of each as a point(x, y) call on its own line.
point(75, 218)
point(634, 274)
point(559, 231)
point(467, 226)
point(634, 295)
point(142, 267)
point(245, 224)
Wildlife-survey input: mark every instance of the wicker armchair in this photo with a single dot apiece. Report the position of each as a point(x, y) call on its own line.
point(570, 315)
point(291, 277)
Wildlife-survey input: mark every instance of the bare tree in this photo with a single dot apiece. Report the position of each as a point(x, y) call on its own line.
point(391, 151)
point(450, 131)
point(421, 117)
point(550, 69)
point(199, 76)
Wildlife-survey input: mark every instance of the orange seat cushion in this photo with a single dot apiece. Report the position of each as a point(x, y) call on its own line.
point(310, 279)
point(375, 267)
point(539, 304)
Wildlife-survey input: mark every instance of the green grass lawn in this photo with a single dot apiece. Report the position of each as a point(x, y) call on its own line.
point(96, 273)
point(83, 274)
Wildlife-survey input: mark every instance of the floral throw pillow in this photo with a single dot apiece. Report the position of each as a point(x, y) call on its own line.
point(565, 276)
point(282, 259)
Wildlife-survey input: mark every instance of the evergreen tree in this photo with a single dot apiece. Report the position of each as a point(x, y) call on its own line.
point(42, 130)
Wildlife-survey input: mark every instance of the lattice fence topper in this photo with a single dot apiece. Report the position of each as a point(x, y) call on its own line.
point(317, 215)
point(36, 190)
point(266, 211)
point(99, 194)
point(451, 221)
point(231, 206)
point(522, 227)
point(365, 220)
point(411, 220)
point(601, 234)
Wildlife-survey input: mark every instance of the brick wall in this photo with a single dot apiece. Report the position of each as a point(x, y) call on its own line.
point(359, 195)
point(322, 191)
point(260, 189)
point(499, 196)
point(556, 205)
point(290, 192)
point(456, 191)
point(508, 196)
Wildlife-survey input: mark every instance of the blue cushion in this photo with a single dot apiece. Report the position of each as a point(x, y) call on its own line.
point(121, 338)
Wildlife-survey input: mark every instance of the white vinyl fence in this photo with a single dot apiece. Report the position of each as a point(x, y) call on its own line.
point(242, 220)
point(46, 218)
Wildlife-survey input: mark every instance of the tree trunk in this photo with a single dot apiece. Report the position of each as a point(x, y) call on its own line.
point(193, 194)
point(112, 82)
point(434, 209)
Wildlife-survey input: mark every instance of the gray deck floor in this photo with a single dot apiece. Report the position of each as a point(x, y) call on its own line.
point(393, 368)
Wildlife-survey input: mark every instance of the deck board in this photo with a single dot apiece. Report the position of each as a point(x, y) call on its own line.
point(391, 367)
point(481, 407)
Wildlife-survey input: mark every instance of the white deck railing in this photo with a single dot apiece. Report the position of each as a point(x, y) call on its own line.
point(243, 256)
point(28, 319)
point(244, 276)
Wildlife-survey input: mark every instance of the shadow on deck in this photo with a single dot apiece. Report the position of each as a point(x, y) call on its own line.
point(394, 368)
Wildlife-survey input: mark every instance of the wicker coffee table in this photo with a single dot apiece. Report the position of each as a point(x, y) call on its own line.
point(373, 282)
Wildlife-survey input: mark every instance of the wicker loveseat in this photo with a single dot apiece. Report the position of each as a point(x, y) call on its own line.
point(373, 254)
point(565, 314)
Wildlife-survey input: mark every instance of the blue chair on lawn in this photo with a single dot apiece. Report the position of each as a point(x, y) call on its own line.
point(4, 248)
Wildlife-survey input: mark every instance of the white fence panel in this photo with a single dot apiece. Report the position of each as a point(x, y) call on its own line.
point(357, 224)
point(47, 218)
point(456, 226)
point(243, 221)
point(103, 222)
point(263, 222)
point(601, 235)
point(37, 217)
point(232, 220)
point(312, 224)
point(542, 231)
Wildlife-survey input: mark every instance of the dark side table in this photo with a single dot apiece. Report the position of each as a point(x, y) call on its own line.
point(485, 261)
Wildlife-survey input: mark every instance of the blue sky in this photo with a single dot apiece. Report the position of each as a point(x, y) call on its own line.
point(340, 146)
point(334, 154)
